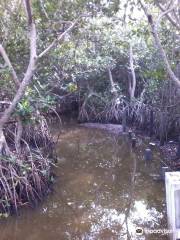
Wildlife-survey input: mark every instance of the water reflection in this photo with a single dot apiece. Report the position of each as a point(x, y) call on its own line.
point(103, 191)
point(110, 219)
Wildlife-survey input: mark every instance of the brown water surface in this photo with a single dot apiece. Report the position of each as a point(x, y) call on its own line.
point(103, 190)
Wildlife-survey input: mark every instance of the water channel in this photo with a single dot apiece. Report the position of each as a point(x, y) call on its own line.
point(103, 190)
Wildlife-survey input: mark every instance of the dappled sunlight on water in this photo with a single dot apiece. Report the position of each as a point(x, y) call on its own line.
point(103, 190)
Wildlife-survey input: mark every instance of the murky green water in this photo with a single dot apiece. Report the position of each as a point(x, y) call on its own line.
point(103, 191)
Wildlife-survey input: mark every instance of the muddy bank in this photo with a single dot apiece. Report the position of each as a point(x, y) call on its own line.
point(113, 128)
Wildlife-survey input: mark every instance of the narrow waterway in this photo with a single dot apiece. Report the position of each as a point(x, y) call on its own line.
point(103, 190)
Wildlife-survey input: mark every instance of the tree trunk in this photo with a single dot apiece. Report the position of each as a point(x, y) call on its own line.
point(4, 149)
point(18, 135)
point(132, 80)
point(113, 88)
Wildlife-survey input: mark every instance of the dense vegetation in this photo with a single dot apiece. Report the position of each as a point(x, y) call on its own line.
point(109, 60)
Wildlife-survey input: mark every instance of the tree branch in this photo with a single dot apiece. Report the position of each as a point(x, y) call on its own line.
point(28, 11)
point(59, 38)
point(43, 9)
point(5, 102)
point(29, 72)
point(165, 13)
point(8, 63)
point(159, 46)
point(169, 17)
